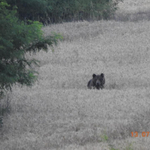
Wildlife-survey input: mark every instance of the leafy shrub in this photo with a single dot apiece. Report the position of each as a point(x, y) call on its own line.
point(16, 39)
point(53, 11)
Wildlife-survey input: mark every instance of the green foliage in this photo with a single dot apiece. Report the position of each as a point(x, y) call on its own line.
point(67, 10)
point(104, 137)
point(30, 9)
point(16, 39)
point(53, 11)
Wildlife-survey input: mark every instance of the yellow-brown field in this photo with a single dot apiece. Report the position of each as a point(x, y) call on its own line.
point(60, 113)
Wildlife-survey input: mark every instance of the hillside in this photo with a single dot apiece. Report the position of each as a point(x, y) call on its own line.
point(59, 112)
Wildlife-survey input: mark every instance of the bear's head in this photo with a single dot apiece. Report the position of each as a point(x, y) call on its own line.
point(98, 81)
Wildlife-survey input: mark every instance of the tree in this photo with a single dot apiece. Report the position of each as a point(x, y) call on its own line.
point(16, 39)
point(54, 11)
point(36, 10)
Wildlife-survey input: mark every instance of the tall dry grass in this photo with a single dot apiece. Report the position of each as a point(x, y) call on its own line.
point(59, 112)
point(133, 11)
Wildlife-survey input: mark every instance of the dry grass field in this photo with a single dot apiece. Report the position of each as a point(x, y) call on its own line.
point(133, 10)
point(60, 113)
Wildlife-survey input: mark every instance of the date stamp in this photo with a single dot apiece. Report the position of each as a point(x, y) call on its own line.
point(143, 134)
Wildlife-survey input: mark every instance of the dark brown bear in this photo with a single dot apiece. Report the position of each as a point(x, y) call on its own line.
point(97, 82)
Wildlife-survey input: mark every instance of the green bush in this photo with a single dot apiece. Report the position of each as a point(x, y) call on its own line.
point(35, 10)
point(53, 11)
point(16, 39)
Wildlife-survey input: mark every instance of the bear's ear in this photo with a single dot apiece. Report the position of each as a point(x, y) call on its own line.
point(102, 75)
point(94, 75)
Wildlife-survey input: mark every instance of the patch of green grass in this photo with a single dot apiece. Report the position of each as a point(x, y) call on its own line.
point(104, 137)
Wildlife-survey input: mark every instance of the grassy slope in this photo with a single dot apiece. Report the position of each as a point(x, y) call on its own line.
point(133, 10)
point(59, 111)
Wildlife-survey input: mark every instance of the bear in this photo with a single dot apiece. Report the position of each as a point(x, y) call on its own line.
point(97, 82)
